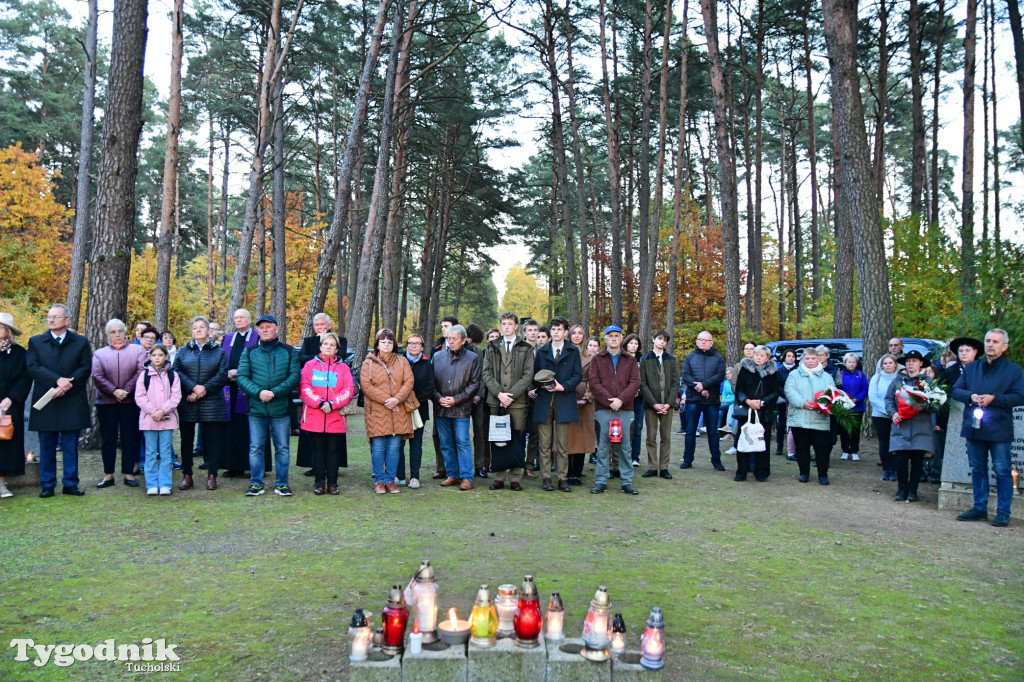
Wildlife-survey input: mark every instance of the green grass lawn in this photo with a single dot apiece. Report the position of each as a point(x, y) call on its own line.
point(780, 580)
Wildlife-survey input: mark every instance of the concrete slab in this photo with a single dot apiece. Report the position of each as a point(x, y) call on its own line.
point(627, 668)
point(505, 662)
point(438, 662)
point(566, 664)
point(377, 668)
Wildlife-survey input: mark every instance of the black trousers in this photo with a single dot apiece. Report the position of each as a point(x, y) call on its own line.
point(916, 460)
point(883, 428)
point(124, 418)
point(576, 465)
point(781, 429)
point(806, 439)
point(762, 462)
point(215, 445)
point(851, 441)
point(480, 418)
point(327, 454)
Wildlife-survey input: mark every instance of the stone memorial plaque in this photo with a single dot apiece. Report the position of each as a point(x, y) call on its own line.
point(955, 468)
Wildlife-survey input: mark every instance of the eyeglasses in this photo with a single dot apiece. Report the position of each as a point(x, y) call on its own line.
point(56, 317)
point(414, 343)
point(705, 340)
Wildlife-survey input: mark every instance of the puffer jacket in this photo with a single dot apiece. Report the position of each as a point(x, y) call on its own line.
point(707, 367)
point(163, 394)
point(456, 375)
point(114, 368)
point(877, 388)
point(910, 434)
point(325, 381)
point(274, 367)
point(801, 386)
point(381, 378)
point(206, 367)
point(856, 384)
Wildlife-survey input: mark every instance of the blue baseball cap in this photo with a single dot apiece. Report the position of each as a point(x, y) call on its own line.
point(266, 318)
point(612, 328)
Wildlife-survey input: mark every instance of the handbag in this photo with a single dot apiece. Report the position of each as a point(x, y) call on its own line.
point(500, 431)
point(751, 434)
point(417, 420)
point(6, 427)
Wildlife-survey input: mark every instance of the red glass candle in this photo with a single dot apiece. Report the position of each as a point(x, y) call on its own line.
point(527, 621)
point(395, 617)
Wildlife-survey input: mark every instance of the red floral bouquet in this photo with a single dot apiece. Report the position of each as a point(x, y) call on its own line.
point(836, 403)
point(917, 397)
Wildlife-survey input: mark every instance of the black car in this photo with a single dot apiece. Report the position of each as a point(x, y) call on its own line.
point(840, 347)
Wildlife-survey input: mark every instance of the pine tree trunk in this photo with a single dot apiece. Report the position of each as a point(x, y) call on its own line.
point(211, 262)
point(967, 188)
point(882, 113)
point(261, 267)
point(343, 190)
point(917, 112)
point(80, 241)
point(812, 154)
point(677, 185)
point(940, 33)
point(842, 316)
point(727, 185)
point(278, 255)
point(1013, 9)
point(857, 188)
point(985, 101)
point(995, 128)
point(371, 255)
point(115, 198)
point(163, 263)
point(223, 218)
point(645, 266)
point(614, 182)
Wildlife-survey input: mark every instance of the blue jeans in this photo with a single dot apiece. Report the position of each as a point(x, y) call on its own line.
point(384, 457)
point(694, 413)
point(158, 472)
point(415, 455)
point(978, 452)
point(48, 458)
point(280, 432)
point(456, 447)
point(602, 469)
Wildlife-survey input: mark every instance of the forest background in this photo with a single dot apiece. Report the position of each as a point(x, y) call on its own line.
point(380, 161)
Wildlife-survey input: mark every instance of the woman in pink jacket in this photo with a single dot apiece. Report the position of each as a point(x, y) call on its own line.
point(157, 393)
point(325, 387)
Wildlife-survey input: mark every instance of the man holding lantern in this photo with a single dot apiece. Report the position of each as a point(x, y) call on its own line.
point(989, 390)
point(614, 381)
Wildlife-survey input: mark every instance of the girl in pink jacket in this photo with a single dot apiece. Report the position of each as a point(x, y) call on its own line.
point(325, 387)
point(157, 393)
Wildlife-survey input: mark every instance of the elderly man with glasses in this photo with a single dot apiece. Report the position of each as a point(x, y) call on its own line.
point(702, 375)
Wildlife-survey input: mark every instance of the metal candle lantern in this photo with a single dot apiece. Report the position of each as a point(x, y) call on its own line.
point(597, 626)
point(395, 616)
point(555, 617)
point(505, 605)
point(527, 621)
point(618, 643)
point(483, 622)
point(421, 596)
point(360, 633)
point(979, 414)
point(615, 430)
point(652, 643)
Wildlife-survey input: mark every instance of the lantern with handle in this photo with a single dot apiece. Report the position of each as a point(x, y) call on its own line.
point(483, 622)
point(527, 621)
point(652, 643)
point(360, 634)
point(394, 617)
point(615, 430)
point(597, 627)
point(421, 597)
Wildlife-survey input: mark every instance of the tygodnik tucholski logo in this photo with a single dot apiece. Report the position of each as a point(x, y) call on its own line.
point(148, 656)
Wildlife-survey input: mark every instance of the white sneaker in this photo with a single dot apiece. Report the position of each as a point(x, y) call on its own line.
point(414, 483)
point(151, 491)
point(725, 429)
point(731, 451)
point(854, 456)
point(400, 481)
point(846, 455)
point(4, 492)
point(165, 491)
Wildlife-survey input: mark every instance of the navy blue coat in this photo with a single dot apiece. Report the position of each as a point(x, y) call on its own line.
point(46, 361)
point(569, 373)
point(1002, 379)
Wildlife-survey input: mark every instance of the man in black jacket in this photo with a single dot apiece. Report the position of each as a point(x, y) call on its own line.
point(702, 374)
point(556, 406)
point(61, 360)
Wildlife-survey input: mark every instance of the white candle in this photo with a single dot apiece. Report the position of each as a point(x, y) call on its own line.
point(415, 642)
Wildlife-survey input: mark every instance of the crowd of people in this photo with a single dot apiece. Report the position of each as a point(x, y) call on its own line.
point(512, 403)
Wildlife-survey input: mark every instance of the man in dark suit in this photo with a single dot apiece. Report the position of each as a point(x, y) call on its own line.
point(556, 407)
point(235, 344)
point(62, 360)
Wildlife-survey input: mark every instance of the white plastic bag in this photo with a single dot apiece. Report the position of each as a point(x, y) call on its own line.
point(751, 434)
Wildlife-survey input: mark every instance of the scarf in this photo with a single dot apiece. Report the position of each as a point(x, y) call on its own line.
point(5, 345)
point(817, 370)
point(761, 371)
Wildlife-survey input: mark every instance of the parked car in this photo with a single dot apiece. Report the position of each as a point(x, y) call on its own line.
point(839, 347)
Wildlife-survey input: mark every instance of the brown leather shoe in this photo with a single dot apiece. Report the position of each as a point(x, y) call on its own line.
point(186, 482)
point(466, 484)
point(318, 490)
point(530, 474)
point(439, 475)
point(515, 485)
point(497, 485)
point(333, 490)
point(546, 485)
point(211, 482)
point(451, 481)
point(563, 485)
point(392, 488)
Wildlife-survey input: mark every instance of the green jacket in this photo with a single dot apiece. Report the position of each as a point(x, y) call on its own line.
point(650, 379)
point(272, 367)
point(516, 368)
